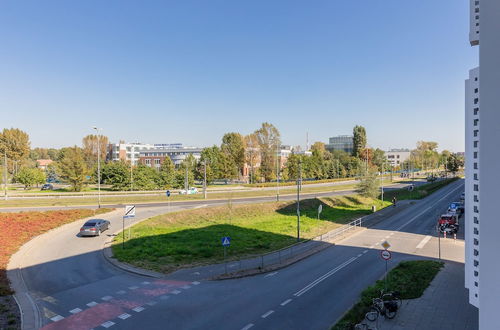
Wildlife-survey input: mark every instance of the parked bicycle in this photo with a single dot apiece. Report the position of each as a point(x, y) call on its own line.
point(392, 296)
point(387, 308)
point(364, 326)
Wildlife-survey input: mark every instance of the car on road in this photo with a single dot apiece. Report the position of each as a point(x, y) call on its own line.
point(456, 207)
point(47, 186)
point(190, 191)
point(94, 227)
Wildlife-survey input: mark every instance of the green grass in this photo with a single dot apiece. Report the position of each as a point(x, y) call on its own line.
point(410, 278)
point(418, 192)
point(169, 241)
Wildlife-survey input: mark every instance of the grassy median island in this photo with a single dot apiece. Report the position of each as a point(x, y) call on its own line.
point(170, 241)
point(410, 278)
point(418, 192)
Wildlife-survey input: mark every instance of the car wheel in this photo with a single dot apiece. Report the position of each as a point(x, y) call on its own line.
point(99, 232)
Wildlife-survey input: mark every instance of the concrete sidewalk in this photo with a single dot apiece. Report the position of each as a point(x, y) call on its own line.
point(444, 305)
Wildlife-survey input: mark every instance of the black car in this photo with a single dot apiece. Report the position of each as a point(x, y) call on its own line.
point(94, 227)
point(47, 186)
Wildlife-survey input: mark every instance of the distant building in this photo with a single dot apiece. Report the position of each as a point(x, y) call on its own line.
point(341, 142)
point(43, 163)
point(155, 157)
point(396, 157)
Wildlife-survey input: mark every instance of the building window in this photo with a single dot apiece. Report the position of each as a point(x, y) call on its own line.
point(476, 187)
point(476, 10)
point(148, 162)
point(475, 79)
point(475, 154)
point(476, 273)
point(476, 132)
point(157, 161)
point(476, 284)
point(476, 199)
point(476, 241)
point(476, 220)
point(476, 90)
point(476, 144)
point(475, 176)
point(476, 210)
point(475, 166)
point(476, 232)
point(476, 121)
point(476, 110)
point(476, 263)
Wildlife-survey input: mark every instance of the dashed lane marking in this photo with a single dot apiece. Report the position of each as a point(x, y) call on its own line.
point(92, 304)
point(133, 287)
point(271, 274)
point(185, 287)
point(121, 292)
point(176, 292)
point(359, 255)
point(138, 309)
point(76, 310)
point(423, 242)
point(248, 326)
point(57, 318)
point(267, 314)
point(195, 283)
point(108, 324)
point(145, 283)
point(151, 303)
point(106, 298)
point(285, 302)
point(124, 316)
point(365, 251)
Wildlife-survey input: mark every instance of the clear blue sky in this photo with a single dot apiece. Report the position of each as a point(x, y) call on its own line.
point(189, 71)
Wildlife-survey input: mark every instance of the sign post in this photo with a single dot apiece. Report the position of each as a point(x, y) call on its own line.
point(168, 199)
point(226, 241)
point(320, 208)
point(129, 213)
point(386, 255)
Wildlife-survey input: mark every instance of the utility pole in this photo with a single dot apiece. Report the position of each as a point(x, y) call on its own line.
point(98, 169)
point(186, 180)
point(131, 176)
point(299, 182)
point(277, 173)
point(205, 179)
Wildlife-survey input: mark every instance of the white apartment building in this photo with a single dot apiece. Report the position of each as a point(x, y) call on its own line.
point(482, 160)
point(131, 151)
point(396, 157)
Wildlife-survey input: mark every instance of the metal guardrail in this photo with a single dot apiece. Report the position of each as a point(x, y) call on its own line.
point(285, 254)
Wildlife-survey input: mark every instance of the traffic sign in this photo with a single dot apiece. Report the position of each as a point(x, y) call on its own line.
point(226, 241)
point(386, 255)
point(129, 211)
point(386, 245)
point(168, 193)
point(320, 208)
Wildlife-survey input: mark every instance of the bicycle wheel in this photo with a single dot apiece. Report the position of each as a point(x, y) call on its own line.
point(390, 314)
point(372, 314)
point(398, 301)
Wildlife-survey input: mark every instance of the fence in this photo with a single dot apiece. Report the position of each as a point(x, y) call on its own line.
point(286, 254)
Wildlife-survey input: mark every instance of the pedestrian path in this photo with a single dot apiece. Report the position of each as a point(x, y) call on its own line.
point(444, 305)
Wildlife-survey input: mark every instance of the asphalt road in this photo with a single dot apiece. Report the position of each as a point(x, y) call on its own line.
point(73, 286)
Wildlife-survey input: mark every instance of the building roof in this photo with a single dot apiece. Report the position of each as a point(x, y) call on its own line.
point(44, 162)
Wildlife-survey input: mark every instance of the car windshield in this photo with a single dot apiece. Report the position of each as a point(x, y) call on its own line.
point(90, 223)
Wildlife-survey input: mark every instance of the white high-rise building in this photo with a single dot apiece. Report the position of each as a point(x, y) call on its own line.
point(483, 165)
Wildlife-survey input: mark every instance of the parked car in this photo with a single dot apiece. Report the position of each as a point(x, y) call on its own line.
point(462, 197)
point(47, 186)
point(190, 191)
point(457, 207)
point(94, 227)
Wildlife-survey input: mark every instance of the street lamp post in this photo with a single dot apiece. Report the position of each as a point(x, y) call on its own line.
point(5, 173)
point(205, 179)
point(98, 169)
point(299, 182)
point(277, 173)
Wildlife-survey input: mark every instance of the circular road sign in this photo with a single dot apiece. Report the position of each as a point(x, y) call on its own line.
point(386, 255)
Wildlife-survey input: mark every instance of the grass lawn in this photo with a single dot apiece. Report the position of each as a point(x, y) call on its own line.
point(419, 192)
point(170, 241)
point(410, 278)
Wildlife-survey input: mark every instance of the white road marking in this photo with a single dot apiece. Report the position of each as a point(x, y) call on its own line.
point(271, 274)
point(365, 251)
point(427, 209)
point(285, 302)
point(57, 318)
point(133, 287)
point(371, 247)
point(322, 278)
point(387, 236)
point(121, 292)
point(359, 255)
point(145, 283)
point(138, 309)
point(176, 292)
point(106, 298)
point(151, 303)
point(248, 326)
point(267, 314)
point(196, 273)
point(232, 265)
point(92, 304)
point(391, 234)
point(124, 316)
point(423, 242)
point(200, 206)
point(108, 324)
point(195, 283)
point(185, 287)
point(76, 310)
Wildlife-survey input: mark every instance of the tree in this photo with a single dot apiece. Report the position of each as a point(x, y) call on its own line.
point(425, 155)
point(359, 141)
point(90, 148)
point(30, 176)
point(167, 173)
point(116, 174)
point(369, 186)
point(211, 157)
point(72, 167)
point(233, 147)
point(454, 163)
point(268, 138)
point(16, 144)
point(252, 155)
point(145, 177)
point(378, 159)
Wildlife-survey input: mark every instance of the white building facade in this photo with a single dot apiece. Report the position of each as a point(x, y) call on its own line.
point(396, 157)
point(482, 160)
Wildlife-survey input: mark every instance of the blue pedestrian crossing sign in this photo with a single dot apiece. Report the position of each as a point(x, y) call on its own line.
point(168, 193)
point(226, 241)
